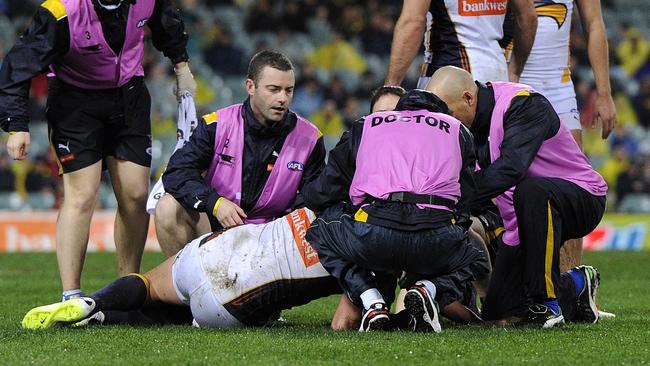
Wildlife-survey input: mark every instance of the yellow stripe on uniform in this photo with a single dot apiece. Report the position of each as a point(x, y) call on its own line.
point(361, 215)
point(144, 279)
point(550, 290)
point(56, 8)
point(522, 93)
point(566, 75)
point(557, 12)
point(210, 118)
point(56, 157)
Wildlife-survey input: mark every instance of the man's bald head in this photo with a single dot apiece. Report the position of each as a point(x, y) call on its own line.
point(456, 87)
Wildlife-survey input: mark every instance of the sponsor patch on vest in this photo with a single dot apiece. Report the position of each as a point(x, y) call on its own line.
point(472, 8)
point(294, 165)
point(299, 223)
point(141, 22)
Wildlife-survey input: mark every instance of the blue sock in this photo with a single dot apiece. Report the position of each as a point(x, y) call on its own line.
point(553, 305)
point(579, 279)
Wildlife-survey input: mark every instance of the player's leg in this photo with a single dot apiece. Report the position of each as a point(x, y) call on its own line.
point(128, 151)
point(571, 252)
point(131, 187)
point(459, 260)
point(80, 189)
point(127, 293)
point(540, 225)
point(333, 235)
point(76, 132)
point(176, 226)
point(581, 213)
point(506, 301)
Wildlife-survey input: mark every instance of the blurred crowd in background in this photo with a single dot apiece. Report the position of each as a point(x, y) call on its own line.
point(340, 49)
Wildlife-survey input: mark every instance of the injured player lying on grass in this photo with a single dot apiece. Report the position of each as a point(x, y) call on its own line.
point(241, 277)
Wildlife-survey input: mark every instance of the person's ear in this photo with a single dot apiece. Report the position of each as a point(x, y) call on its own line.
point(468, 98)
point(250, 86)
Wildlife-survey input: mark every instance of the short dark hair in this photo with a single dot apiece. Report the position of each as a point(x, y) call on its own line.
point(385, 90)
point(264, 58)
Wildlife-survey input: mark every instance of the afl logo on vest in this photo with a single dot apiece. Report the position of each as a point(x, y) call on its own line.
point(141, 23)
point(294, 165)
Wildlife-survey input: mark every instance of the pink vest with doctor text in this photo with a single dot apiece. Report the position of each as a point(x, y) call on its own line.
point(408, 151)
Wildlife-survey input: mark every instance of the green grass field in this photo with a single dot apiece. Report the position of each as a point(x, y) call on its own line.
point(28, 280)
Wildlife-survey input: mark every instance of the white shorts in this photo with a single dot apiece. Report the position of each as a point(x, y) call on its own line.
point(195, 290)
point(567, 110)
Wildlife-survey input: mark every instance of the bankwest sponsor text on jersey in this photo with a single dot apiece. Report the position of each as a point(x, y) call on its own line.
point(482, 7)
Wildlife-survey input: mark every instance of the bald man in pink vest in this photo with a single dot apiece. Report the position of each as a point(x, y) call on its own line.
point(244, 163)
point(546, 192)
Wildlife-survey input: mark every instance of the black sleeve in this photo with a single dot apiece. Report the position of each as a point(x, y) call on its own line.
point(313, 168)
point(315, 163)
point(45, 40)
point(333, 184)
point(467, 183)
point(527, 123)
point(168, 31)
point(183, 177)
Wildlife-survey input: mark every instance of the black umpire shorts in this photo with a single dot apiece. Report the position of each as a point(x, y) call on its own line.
point(86, 125)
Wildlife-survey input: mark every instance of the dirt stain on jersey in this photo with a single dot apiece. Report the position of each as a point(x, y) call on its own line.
point(218, 276)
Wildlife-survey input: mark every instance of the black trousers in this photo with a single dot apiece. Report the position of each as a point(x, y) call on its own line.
point(549, 212)
point(352, 251)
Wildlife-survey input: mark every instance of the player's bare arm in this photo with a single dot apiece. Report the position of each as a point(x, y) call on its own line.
point(594, 30)
point(406, 39)
point(524, 36)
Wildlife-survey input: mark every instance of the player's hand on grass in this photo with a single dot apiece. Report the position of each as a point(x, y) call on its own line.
point(18, 145)
point(229, 214)
point(605, 114)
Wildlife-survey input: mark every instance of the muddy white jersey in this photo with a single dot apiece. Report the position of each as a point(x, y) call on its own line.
point(246, 257)
point(248, 274)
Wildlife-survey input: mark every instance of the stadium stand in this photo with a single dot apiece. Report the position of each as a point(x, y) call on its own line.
point(340, 49)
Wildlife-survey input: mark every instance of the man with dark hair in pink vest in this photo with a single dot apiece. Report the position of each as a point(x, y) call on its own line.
point(244, 163)
point(546, 192)
point(98, 112)
point(388, 198)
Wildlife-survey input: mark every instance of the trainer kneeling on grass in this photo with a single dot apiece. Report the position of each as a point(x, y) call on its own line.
point(404, 172)
point(545, 189)
point(244, 163)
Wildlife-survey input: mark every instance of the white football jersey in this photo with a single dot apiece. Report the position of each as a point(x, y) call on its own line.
point(466, 34)
point(547, 68)
point(245, 258)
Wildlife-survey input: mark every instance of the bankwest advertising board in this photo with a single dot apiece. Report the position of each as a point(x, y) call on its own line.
point(35, 232)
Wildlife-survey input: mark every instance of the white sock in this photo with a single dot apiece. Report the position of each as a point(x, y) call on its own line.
point(371, 296)
point(431, 288)
point(71, 294)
